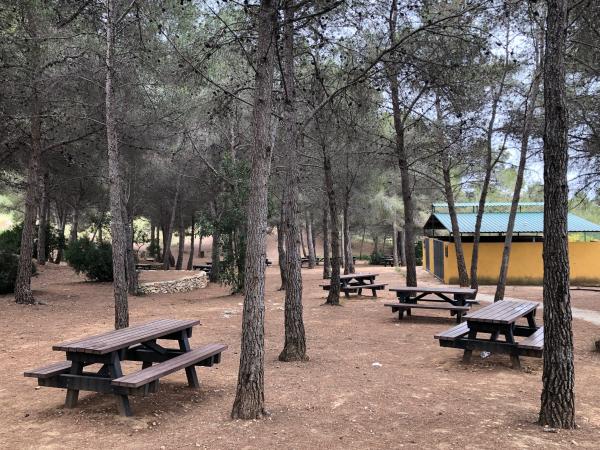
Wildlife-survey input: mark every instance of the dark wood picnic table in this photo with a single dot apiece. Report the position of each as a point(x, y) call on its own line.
point(356, 282)
point(454, 299)
point(135, 343)
point(499, 318)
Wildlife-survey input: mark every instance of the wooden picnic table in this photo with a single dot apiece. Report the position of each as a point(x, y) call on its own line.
point(356, 282)
point(135, 343)
point(456, 300)
point(306, 260)
point(499, 318)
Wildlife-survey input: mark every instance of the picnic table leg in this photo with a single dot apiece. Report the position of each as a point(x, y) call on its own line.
point(190, 372)
point(467, 354)
point(73, 394)
point(122, 400)
point(514, 358)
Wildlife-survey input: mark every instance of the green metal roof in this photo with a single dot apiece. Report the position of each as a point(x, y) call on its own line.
point(496, 222)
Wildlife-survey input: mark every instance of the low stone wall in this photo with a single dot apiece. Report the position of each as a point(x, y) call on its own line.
point(186, 284)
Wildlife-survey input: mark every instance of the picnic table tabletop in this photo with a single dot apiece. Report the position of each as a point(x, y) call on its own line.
point(358, 276)
point(434, 289)
point(119, 339)
point(502, 312)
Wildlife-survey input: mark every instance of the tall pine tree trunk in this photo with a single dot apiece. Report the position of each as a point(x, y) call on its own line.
point(326, 258)
point(168, 237)
point(409, 225)
point(43, 222)
point(312, 258)
point(117, 228)
point(250, 395)
point(215, 257)
point(181, 242)
point(190, 263)
point(295, 340)
point(281, 235)
point(333, 298)
point(558, 378)
point(527, 125)
point(348, 261)
point(23, 294)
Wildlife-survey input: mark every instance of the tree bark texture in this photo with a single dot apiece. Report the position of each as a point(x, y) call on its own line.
point(168, 237)
point(117, 228)
point(181, 242)
point(23, 294)
point(281, 235)
point(326, 257)
point(312, 257)
point(409, 226)
point(348, 261)
point(333, 298)
point(295, 339)
point(558, 378)
point(250, 395)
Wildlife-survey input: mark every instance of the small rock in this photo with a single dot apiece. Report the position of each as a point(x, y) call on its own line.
point(37, 388)
point(547, 429)
point(376, 364)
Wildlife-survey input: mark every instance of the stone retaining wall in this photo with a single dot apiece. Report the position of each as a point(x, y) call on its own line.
point(186, 284)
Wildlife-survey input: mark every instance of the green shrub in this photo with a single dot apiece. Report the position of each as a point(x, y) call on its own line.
point(9, 266)
point(93, 260)
point(376, 258)
point(10, 240)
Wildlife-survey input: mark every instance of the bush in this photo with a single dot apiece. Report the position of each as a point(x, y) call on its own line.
point(9, 266)
point(10, 240)
point(376, 258)
point(93, 260)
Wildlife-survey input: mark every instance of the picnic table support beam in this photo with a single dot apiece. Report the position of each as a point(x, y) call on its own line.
point(190, 372)
point(73, 394)
point(116, 372)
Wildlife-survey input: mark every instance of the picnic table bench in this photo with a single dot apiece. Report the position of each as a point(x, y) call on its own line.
point(356, 282)
point(135, 343)
point(456, 300)
point(205, 267)
point(388, 261)
point(499, 318)
point(148, 266)
point(306, 260)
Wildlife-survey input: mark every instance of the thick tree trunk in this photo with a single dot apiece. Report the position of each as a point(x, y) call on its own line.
point(348, 261)
point(281, 236)
point(250, 396)
point(190, 263)
point(181, 242)
point(23, 294)
point(402, 248)
point(326, 257)
point(558, 378)
point(295, 340)
point(527, 125)
point(333, 298)
point(200, 241)
point(167, 256)
point(43, 222)
point(312, 258)
point(407, 201)
point(117, 227)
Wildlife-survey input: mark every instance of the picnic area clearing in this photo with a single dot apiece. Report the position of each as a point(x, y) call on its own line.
point(338, 399)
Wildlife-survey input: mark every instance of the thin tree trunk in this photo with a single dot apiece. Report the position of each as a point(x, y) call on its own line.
point(489, 167)
point(402, 248)
point(326, 258)
point(181, 242)
point(250, 396)
point(395, 243)
point(200, 241)
point(304, 253)
point(348, 261)
point(62, 223)
point(215, 268)
point(312, 260)
point(295, 340)
point(167, 256)
point(281, 235)
point(409, 226)
point(43, 222)
point(190, 263)
point(117, 227)
point(527, 125)
point(362, 242)
point(132, 274)
point(152, 239)
point(342, 253)
point(463, 276)
point(74, 223)
point(23, 294)
point(558, 397)
point(333, 298)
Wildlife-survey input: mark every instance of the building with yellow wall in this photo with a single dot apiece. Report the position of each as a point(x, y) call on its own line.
point(525, 265)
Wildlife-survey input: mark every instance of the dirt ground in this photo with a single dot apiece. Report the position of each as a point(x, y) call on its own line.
point(421, 396)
